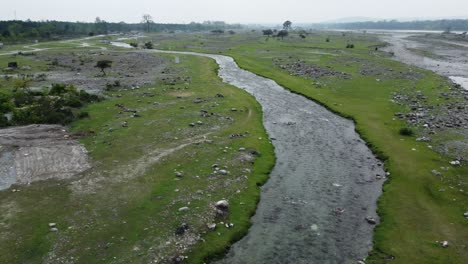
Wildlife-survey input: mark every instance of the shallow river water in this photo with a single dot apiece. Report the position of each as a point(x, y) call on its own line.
point(325, 182)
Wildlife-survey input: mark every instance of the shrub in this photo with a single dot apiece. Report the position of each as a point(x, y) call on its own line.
point(149, 45)
point(60, 88)
point(3, 121)
point(406, 131)
point(134, 44)
point(350, 46)
point(22, 97)
point(73, 102)
point(83, 114)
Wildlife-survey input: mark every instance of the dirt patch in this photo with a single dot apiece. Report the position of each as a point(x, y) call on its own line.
point(129, 69)
point(39, 152)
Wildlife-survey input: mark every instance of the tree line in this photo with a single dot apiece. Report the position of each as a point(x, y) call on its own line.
point(17, 30)
point(444, 24)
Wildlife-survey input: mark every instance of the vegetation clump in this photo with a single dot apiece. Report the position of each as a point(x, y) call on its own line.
point(406, 131)
point(59, 105)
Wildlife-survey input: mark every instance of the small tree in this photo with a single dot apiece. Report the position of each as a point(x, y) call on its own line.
point(282, 33)
point(268, 33)
point(103, 64)
point(287, 25)
point(148, 20)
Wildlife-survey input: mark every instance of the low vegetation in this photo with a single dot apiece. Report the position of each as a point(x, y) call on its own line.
point(58, 105)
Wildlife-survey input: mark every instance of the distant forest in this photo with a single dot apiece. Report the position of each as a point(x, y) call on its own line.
point(17, 31)
point(443, 25)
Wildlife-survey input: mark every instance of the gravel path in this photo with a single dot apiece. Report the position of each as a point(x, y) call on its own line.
point(326, 181)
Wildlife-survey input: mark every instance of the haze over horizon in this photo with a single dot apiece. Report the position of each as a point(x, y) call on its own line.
point(239, 11)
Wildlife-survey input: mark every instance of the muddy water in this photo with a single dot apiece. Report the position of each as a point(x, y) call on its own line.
point(324, 185)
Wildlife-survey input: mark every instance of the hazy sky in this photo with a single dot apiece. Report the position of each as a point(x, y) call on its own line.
point(244, 11)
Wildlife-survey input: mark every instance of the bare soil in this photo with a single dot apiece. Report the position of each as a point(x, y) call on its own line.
point(39, 152)
point(129, 69)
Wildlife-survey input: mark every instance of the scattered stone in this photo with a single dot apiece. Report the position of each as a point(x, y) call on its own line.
point(233, 109)
point(199, 123)
point(371, 220)
point(211, 226)
point(436, 173)
point(180, 230)
point(223, 172)
point(455, 163)
point(177, 259)
point(52, 224)
point(125, 124)
point(184, 209)
point(423, 139)
point(192, 124)
point(241, 149)
point(219, 95)
point(179, 174)
point(54, 229)
point(465, 214)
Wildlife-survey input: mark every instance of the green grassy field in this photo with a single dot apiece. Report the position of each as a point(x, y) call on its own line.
point(417, 208)
point(125, 209)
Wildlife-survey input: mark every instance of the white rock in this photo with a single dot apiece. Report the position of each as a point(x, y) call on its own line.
point(184, 209)
point(444, 243)
point(223, 172)
point(222, 205)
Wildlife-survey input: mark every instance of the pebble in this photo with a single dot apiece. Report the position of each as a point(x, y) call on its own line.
point(184, 209)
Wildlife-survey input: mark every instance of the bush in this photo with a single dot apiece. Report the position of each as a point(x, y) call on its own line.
point(60, 88)
point(350, 46)
point(149, 45)
point(82, 115)
point(134, 44)
point(73, 102)
point(22, 97)
point(406, 131)
point(3, 121)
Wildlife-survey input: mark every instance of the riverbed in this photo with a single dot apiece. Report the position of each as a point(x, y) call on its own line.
point(325, 183)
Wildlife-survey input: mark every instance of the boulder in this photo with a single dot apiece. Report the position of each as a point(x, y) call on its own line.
point(222, 206)
point(371, 220)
